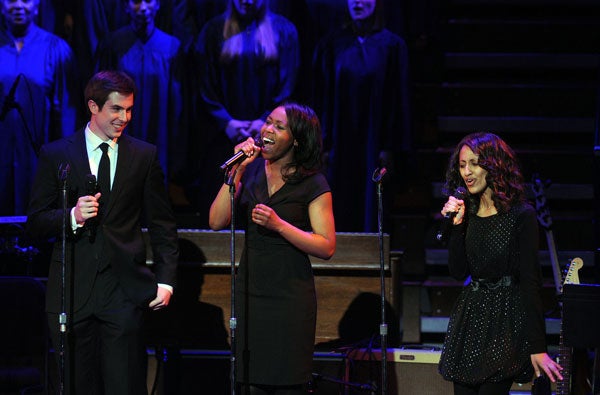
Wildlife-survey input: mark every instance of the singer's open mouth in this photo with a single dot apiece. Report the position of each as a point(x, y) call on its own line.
point(267, 140)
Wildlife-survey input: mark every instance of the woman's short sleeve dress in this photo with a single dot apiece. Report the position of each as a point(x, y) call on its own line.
point(275, 292)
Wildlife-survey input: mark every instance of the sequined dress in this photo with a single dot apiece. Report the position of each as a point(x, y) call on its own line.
point(497, 321)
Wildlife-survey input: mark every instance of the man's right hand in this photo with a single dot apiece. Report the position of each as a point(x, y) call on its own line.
point(86, 208)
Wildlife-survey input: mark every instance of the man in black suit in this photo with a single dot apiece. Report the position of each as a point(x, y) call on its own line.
point(109, 287)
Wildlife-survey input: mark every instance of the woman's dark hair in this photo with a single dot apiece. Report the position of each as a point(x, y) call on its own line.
point(306, 130)
point(504, 177)
point(103, 83)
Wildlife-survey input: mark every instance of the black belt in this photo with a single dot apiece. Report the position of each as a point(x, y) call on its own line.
point(491, 283)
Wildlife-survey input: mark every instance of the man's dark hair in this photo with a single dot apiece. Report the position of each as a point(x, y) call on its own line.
point(103, 83)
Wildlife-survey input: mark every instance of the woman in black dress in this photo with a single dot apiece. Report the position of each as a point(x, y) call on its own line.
point(496, 333)
point(289, 216)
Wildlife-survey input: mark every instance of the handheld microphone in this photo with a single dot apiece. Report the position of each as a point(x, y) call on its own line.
point(240, 155)
point(91, 187)
point(448, 220)
point(10, 102)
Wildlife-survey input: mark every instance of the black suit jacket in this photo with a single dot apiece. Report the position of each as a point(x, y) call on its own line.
point(138, 198)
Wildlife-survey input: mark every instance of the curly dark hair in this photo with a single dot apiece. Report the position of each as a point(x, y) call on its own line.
point(306, 129)
point(504, 176)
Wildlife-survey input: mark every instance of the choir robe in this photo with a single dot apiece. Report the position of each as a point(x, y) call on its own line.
point(47, 98)
point(156, 67)
point(360, 92)
point(94, 20)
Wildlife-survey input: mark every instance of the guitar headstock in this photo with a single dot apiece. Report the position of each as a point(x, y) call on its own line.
point(541, 204)
point(572, 274)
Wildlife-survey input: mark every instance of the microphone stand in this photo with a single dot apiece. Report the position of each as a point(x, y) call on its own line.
point(10, 104)
point(62, 318)
point(32, 143)
point(229, 180)
point(383, 330)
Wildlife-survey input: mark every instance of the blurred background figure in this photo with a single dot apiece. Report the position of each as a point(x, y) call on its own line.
point(247, 61)
point(92, 21)
point(189, 16)
point(55, 17)
point(154, 60)
point(38, 79)
point(361, 92)
point(298, 12)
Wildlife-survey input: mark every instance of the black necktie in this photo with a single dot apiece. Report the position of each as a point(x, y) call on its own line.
point(104, 174)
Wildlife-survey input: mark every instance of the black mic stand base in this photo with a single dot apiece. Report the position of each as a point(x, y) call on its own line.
point(313, 385)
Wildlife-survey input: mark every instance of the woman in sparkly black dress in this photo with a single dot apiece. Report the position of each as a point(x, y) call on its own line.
point(496, 333)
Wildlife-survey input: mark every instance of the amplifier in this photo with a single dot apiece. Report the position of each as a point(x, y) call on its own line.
point(410, 371)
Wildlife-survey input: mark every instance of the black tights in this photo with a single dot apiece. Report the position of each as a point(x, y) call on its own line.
point(257, 389)
point(499, 388)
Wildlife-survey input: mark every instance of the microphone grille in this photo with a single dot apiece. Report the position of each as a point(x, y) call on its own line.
point(90, 184)
point(460, 193)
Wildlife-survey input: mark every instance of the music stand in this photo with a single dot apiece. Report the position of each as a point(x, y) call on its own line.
point(581, 322)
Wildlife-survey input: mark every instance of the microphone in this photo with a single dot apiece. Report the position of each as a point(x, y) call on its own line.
point(91, 187)
point(447, 222)
point(63, 171)
point(10, 102)
point(378, 174)
point(240, 155)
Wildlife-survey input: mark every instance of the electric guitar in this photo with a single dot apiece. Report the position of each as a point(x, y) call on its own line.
point(541, 385)
point(565, 353)
point(563, 387)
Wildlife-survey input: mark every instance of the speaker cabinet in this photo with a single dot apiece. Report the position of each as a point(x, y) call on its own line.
point(409, 371)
